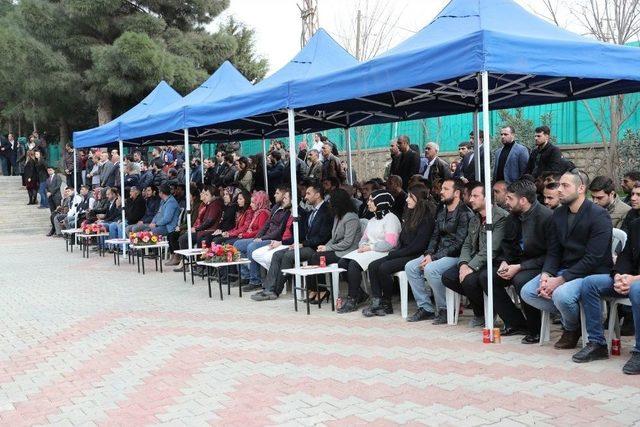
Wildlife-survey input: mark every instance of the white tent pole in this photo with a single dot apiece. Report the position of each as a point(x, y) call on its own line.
point(395, 130)
point(202, 162)
point(488, 205)
point(347, 132)
point(476, 145)
point(294, 190)
point(75, 185)
point(187, 186)
point(264, 165)
point(122, 197)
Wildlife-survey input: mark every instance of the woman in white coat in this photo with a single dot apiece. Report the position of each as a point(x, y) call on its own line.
point(380, 236)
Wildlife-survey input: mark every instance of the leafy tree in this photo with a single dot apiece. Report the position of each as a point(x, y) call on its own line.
point(75, 57)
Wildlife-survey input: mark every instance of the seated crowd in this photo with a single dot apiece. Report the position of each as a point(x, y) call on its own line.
point(551, 229)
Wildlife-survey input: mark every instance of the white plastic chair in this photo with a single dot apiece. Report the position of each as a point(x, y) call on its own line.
point(404, 292)
point(545, 327)
point(453, 306)
point(614, 324)
point(618, 237)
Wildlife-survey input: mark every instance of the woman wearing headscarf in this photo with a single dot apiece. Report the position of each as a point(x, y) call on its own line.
point(379, 237)
point(417, 226)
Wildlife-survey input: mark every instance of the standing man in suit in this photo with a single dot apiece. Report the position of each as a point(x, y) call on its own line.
point(468, 162)
point(510, 160)
point(316, 230)
point(409, 162)
point(579, 246)
point(463, 149)
point(315, 165)
point(53, 184)
point(436, 169)
point(546, 157)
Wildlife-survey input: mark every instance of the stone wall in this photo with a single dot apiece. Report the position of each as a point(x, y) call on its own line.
point(371, 163)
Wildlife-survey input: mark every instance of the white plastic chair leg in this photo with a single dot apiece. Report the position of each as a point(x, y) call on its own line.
point(545, 327)
point(404, 293)
point(583, 327)
point(453, 306)
point(614, 324)
point(335, 286)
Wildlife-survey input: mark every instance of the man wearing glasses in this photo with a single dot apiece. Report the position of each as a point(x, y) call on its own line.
point(579, 246)
point(511, 159)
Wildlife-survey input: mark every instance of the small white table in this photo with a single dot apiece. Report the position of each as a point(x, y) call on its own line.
point(189, 256)
point(84, 240)
point(116, 252)
point(313, 270)
point(217, 265)
point(70, 237)
point(140, 252)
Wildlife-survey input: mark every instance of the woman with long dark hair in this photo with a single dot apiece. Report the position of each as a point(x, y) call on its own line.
point(244, 179)
point(417, 226)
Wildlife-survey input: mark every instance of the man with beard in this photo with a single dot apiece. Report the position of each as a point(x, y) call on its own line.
point(603, 193)
point(551, 195)
point(522, 255)
point(443, 251)
point(634, 213)
point(628, 181)
point(500, 193)
point(464, 278)
point(579, 246)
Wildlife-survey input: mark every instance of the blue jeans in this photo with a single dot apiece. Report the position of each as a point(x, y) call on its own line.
point(601, 285)
point(115, 230)
point(433, 275)
point(246, 248)
point(564, 300)
point(42, 190)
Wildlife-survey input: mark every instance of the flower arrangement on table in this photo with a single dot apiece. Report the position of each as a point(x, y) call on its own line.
point(93, 229)
point(144, 238)
point(220, 253)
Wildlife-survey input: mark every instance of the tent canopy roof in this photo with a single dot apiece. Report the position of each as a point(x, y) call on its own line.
point(166, 124)
point(162, 95)
point(435, 72)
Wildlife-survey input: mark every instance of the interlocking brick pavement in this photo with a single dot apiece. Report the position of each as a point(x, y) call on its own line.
point(83, 342)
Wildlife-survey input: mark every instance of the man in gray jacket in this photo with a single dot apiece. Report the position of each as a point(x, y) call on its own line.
point(465, 278)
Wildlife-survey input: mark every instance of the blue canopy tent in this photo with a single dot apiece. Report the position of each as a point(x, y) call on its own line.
point(476, 54)
point(168, 125)
point(320, 55)
point(109, 133)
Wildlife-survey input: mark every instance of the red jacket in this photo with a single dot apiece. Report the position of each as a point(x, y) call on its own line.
point(242, 222)
point(258, 221)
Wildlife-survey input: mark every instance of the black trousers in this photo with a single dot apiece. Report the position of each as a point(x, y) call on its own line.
point(504, 305)
point(354, 277)
point(470, 287)
point(330, 258)
point(282, 260)
point(173, 239)
point(381, 273)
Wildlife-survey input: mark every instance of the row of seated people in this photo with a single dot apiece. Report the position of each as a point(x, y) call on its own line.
point(554, 259)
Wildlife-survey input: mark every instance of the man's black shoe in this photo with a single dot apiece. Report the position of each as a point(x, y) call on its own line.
point(592, 351)
point(421, 314)
point(507, 332)
point(441, 318)
point(530, 339)
point(264, 296)
point(632, 367)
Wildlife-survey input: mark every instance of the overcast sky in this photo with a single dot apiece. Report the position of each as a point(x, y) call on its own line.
point(277, 22)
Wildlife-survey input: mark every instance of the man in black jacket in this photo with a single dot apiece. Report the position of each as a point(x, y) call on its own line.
point(316, 230)
point(546, 157)
point(624, 282)
point(442, 253)
point(634, 213)
point(408, 163)
point(523, 252)
point(579, 246)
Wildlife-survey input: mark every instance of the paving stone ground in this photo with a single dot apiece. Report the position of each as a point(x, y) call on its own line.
point(83, 342)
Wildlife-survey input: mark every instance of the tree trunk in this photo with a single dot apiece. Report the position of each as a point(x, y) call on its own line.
point(105, 111)
point(33, 117)
point(64, 131)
